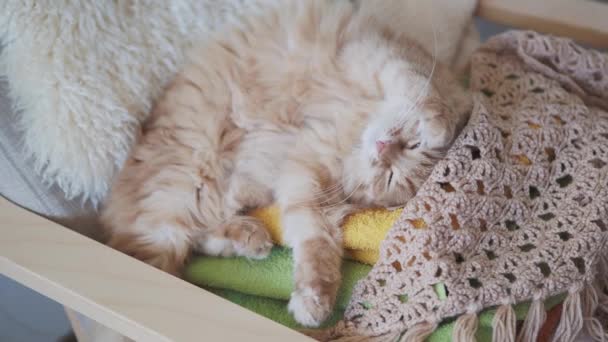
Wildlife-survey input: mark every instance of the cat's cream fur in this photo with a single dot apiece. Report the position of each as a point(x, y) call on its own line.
point(312, 106)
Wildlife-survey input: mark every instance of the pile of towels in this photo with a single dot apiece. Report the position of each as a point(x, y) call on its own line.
point(264, 286)
point(363, 231)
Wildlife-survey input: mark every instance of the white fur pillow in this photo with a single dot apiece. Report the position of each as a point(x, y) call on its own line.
point(83, 74)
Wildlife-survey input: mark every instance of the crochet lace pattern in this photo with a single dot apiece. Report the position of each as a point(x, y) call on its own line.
point(517, 211)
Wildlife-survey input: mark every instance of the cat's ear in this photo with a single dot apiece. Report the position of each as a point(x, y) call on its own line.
point(435, 128)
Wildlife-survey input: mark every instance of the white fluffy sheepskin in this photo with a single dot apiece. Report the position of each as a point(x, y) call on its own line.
point(83, 74)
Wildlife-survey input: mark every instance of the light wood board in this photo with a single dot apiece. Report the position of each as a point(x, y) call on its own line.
point(582, 20)
point(118, 291)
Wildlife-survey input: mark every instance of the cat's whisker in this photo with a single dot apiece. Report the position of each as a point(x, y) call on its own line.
point(335, 193)
point(318, 196)
point(321, 195)
point(346, 198)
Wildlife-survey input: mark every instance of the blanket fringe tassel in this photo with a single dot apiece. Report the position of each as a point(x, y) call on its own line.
point(419, 332)
point(595, 303)
point(571, 322)
point(587, 309)
point(504, 325)
point(340, 333)
point(390, 337)
point(534, 321)
point(601, 285)
point(582, 309)
point(465, 328)
point(591, 309)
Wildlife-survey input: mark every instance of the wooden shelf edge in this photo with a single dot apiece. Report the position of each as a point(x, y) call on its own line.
point(584, 21)
point(118, 291)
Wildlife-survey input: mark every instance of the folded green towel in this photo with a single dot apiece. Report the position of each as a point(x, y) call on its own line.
point(273, 309)
point(271, 277)
point(264, 287)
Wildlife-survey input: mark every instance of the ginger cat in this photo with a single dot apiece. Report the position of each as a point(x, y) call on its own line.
point(311, 105)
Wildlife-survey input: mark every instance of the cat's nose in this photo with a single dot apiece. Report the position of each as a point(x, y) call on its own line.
point(381, 146)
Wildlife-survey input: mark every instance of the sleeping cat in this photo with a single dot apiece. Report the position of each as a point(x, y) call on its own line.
point(312, 106)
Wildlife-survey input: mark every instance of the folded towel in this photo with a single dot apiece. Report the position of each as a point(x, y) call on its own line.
point(363, 231)
point(270, 308)
point(264, 287)
point(271, 277)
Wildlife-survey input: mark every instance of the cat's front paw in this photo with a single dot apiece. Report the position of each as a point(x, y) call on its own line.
point(251, 239)
point(310, 308)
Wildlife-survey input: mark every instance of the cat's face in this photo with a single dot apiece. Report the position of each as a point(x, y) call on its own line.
point(396, 153)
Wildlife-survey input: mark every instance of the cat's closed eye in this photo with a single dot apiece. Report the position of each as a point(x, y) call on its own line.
point(410, 146)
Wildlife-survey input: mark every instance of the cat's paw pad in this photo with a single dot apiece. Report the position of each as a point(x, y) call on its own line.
point(309, 308)
point(253, 240)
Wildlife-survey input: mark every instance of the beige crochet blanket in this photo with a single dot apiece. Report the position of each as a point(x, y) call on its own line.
point(517, 211)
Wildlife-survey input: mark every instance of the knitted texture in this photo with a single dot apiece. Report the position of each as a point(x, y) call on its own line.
point(518, 209)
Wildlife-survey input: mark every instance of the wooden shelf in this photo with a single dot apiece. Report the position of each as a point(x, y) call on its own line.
point(582, 20)
point(118, 291)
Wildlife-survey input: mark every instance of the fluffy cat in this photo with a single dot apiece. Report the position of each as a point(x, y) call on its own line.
point(313, 106)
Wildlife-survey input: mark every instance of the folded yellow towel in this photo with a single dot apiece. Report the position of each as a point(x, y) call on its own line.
point(363, 231)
